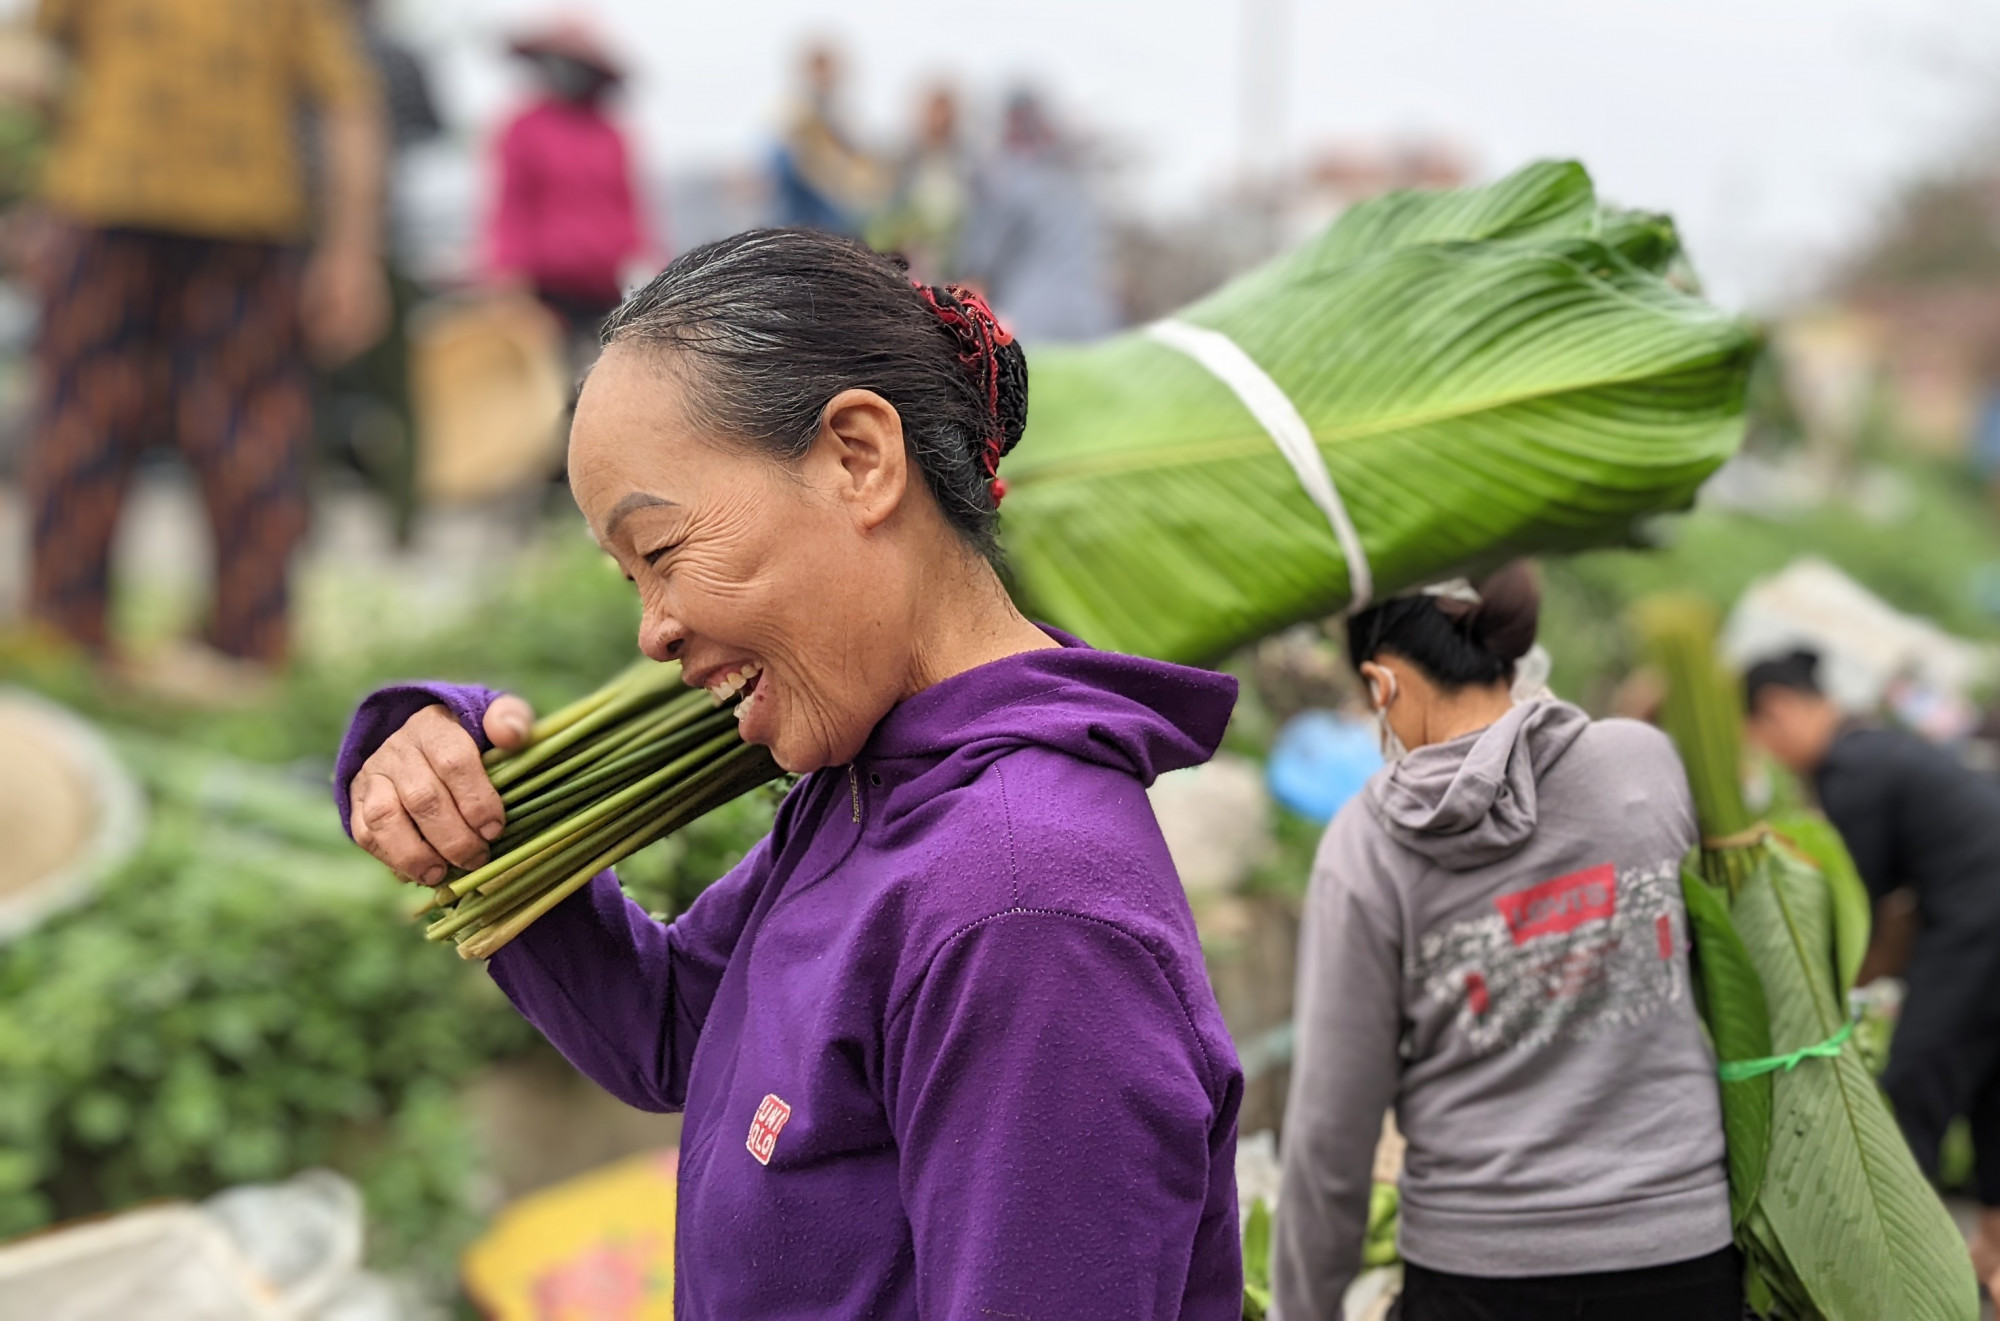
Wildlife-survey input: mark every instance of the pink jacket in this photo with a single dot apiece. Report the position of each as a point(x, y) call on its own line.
point(567, 217)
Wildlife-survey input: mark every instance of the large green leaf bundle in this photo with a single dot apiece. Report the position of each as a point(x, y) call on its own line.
point(1832, 1213)
point(1486, 373)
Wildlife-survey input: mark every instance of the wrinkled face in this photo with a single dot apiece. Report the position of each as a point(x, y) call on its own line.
point(774, 579)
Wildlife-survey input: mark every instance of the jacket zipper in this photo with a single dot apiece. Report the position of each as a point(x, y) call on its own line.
point(854, 783)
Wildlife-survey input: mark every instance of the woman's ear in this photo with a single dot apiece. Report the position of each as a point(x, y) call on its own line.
point(1381, 682)
point(859, 454)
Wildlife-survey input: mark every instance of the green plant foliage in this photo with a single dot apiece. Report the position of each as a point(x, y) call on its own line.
point(666, 877)
point(1739, 1026)
point(1843, 1226)
point(1927, 559)
point(1862, 1228)
point(1814, 837)
point(1708, 732)
point(249, 996)
point(1378, 1247)
point(1485, 376)
point(598, 780)
point(241, 1001)
point(1257, 1262)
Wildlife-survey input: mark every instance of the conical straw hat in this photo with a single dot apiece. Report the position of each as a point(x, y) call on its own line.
point(69, 811)
point(491, 392)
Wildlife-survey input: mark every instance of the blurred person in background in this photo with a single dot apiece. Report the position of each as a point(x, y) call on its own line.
point(1494, 942)
point(366, 414)
point(567, 221)
point(180, 301)
point(933, 193)
point(1918, 821)
point(824, 179)
point(1034, 240)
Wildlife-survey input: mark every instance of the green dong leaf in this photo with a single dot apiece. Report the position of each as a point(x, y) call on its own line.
point(1864, 1234)
point(1814, 836)
point(1483, 374)
point(1257, 1245)
point(1739, 1024)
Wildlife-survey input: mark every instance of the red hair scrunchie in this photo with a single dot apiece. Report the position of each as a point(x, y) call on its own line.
point(972, 322)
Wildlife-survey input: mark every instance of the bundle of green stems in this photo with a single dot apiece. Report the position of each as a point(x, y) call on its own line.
point(596, 782)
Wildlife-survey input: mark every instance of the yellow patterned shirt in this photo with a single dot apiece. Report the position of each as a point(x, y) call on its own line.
point(183, 115)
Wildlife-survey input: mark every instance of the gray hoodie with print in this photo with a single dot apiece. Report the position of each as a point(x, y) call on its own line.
point(1494, 943)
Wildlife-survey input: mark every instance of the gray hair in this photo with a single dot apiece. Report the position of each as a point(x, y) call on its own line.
point(767, 326)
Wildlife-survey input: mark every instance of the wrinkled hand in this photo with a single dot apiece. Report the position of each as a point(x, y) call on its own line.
point(344, 303)
point(423, 801)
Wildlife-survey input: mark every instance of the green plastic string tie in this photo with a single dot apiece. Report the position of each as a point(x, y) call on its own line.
point(1740, 1070)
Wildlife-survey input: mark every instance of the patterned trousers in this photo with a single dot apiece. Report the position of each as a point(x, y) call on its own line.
point(159, 339)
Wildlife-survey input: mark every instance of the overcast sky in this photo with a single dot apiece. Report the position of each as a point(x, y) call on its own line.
point(1773, 129)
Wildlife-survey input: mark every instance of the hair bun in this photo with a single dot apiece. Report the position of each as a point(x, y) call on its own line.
point(1509, 611)
point(1012, 399)
point(993, 360)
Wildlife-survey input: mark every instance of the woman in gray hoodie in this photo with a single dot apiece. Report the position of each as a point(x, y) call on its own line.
point(1495, 945)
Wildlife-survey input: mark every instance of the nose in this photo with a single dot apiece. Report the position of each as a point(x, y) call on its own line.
point(661, 636)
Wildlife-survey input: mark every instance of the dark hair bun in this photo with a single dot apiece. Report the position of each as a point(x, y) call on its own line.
point(992, 358)
point(1013, 393)
point(1453, 639)
point(1508, 613)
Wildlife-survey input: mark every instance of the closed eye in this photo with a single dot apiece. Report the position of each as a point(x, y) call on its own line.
point(653, 557)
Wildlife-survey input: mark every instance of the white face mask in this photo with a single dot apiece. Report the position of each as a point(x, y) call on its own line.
point(1393, 750)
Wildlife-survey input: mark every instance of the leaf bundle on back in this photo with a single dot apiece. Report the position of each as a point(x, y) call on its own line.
point(1833, 1216)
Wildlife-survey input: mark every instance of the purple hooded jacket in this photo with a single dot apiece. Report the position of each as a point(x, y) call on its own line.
point(944, 1039)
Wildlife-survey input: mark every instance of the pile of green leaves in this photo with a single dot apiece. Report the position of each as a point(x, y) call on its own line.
point(1832, 1214)
point(242, 1001)
point(1486, 373)
point(238, 1003)
point(1378, 1248)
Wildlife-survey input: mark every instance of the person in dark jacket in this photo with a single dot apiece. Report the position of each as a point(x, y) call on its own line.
point(1916, 820)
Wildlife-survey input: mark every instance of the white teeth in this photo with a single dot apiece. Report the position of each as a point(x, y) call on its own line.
point(728, 685)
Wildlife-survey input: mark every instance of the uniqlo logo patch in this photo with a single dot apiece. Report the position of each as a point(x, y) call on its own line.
point(765, 1126)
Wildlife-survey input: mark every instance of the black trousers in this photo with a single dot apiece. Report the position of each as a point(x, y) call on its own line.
point(1705, 1289)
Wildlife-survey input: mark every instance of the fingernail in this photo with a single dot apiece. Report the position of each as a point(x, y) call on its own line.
point(491, 830)
point(515, 726)
point(433, 876)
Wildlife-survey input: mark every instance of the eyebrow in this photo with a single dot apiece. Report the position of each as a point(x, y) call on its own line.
point(631, 504)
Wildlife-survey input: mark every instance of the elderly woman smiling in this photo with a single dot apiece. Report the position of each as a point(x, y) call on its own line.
point(943, 1039)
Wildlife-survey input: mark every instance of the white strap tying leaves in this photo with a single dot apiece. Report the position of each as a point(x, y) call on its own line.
point(1274, 411)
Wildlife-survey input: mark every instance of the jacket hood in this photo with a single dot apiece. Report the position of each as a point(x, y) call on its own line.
point(1472, 801)
point(1139, 716)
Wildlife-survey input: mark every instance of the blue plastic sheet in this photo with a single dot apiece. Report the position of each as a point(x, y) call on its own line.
point(1320, 760)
